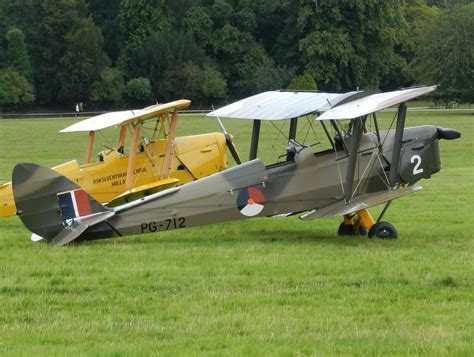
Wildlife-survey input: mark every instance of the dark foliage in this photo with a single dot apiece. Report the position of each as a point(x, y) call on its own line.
point(138, 51)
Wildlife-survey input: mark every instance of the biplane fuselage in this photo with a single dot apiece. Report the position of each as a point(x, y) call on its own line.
point(106, 180)
point(194, 157)
point(255, 190)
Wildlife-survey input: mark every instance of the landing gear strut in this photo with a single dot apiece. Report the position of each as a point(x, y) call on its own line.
point(352, 226)
point(358, 223)
point(351, 230)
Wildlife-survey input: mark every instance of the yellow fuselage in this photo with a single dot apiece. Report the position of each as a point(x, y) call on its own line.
point(193, 157)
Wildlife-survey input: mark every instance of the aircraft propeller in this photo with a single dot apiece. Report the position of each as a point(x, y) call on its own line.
point(229, 142)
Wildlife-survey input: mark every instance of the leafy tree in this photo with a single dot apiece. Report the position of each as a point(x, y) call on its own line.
point(221, 13)
point(14, 14)
point(445, 53)
point(109, 87)
point(257, 73)
point(164, 53)
point(269, 17)
point(137, 20)
point(303, 82)
point(447, 3)
point(229, 46)
point(14, 89)
point(214, 86)
point(183, 82)
point(198, 22)
point(138, 91)
point(82, 61)
point(17, 54)
point(104, 14)
point(416, 15)
point(52, 21)
point(229, 41)
point(342, 44)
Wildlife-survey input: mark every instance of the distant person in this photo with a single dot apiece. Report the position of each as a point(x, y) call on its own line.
point(77, 109)
point(81, 107)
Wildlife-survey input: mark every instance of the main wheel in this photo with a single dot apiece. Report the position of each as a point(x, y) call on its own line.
point(350, 230)
point(383, 230)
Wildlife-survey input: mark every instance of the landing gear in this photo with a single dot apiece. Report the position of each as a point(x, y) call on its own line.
point(351, 229)
point(353, 225)
point(358, 223)
point(383, 230)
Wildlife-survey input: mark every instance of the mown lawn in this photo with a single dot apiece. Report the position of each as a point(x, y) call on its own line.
point(259, 287)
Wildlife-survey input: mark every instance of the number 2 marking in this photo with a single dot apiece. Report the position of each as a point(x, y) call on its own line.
point(416, 159)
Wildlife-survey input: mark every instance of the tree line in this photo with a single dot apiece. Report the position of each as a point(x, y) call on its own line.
point(133, 52)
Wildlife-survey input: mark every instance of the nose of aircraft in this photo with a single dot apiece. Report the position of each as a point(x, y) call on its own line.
point(448, 134)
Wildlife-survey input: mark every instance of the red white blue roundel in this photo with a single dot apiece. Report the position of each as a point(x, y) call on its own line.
point(250, 201)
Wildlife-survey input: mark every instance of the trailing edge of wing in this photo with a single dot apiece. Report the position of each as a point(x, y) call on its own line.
point(373, 103)
point(111, 119)
point(358, 203)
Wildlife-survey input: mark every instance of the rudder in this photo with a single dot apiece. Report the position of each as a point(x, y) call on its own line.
point(47, 202)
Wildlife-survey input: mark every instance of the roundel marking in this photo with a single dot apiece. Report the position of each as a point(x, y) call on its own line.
point(250, 201)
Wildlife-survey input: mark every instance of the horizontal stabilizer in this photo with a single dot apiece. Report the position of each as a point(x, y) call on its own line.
point(358, 203)
point(76, 227)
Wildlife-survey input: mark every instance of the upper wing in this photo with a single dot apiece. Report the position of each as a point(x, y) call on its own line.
point(111, 119)
point(280, 105)
point(373, 103)
point(276, 105)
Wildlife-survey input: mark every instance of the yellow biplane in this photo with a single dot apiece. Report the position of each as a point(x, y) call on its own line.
point(153, 163)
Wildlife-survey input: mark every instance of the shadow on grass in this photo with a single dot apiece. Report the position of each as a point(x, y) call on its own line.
point(207, 236)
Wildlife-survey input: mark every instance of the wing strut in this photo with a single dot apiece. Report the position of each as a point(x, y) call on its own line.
point(290, 155)
point(255, 138)
point(90, 146)
point(122, 136)
point(397, 144)
point(357, 129)
point(165, 171)
point(133, 156)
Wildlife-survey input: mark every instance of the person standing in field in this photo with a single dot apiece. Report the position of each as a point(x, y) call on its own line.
point(77, 109)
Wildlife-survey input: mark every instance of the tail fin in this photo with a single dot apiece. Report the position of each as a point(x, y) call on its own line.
point(52, 206)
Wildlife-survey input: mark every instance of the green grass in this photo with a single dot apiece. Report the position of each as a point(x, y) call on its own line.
point(257, 287)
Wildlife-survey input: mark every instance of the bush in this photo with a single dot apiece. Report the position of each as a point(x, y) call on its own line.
point(303, 82)
point(14, 88)
point(109, 88)
point(138, 90)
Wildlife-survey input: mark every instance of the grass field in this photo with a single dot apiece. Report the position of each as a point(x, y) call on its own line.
point(258, 287)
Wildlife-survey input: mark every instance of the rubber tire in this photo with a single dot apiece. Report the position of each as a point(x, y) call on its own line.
point(383, 230)
point(348, 230)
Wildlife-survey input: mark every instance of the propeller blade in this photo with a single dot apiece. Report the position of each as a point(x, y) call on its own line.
point(221, 125)
point(232, 149)
point(228, 140)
